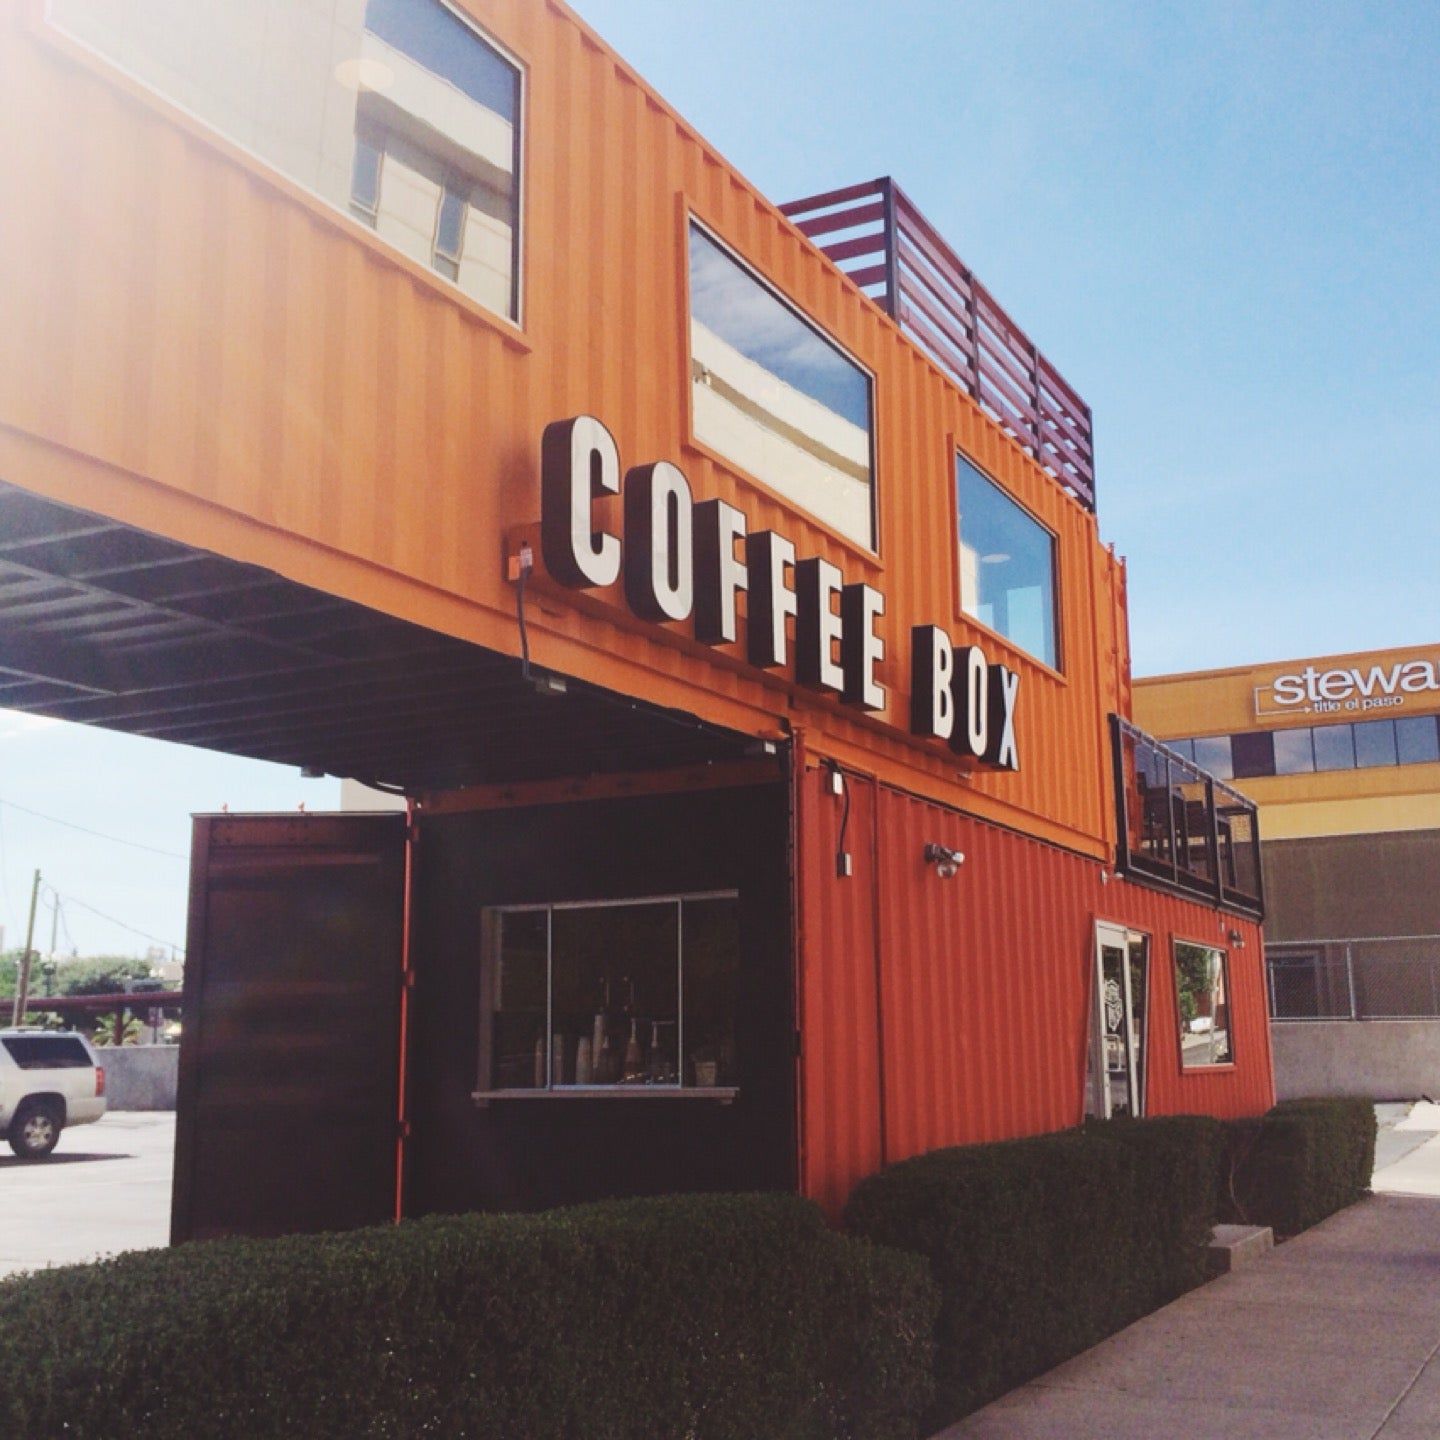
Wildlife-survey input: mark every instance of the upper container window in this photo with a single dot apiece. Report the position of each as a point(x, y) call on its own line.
point(396, 111)
point(772, 394)
point(1007, 566)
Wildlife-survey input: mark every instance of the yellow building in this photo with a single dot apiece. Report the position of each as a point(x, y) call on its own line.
point(1333, 745)
point(1342, 755)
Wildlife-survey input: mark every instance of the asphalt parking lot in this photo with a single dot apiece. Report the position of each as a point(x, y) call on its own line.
point(105, 1189)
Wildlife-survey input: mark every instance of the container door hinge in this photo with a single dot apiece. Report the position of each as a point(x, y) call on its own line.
point(403, 1129)
point(407, 979)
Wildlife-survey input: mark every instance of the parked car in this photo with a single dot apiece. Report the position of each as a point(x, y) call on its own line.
point(48, 1079)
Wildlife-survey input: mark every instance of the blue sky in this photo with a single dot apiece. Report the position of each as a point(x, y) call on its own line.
point(1221, 221)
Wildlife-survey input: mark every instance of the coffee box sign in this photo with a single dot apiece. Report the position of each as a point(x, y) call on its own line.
point(679, 560)
point(1351, 689)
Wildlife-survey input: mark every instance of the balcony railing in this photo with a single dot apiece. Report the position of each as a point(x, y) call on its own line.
point(888, 248)
point(1181, 828)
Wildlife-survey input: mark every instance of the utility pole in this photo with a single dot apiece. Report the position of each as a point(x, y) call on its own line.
point(22, 989)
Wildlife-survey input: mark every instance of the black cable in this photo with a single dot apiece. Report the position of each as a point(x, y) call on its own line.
point(520, 616)
point(834, 769)
point(98, 834)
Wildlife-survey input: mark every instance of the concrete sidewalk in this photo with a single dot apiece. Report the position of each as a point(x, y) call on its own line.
point(1407, 1152)
point(1333, 1336)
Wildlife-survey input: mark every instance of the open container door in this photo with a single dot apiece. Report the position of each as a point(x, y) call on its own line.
point(287, 1112)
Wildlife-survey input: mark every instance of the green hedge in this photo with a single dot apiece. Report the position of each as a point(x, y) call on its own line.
point(1303, 1161)
point(706, 1317)
point(1044, 1246)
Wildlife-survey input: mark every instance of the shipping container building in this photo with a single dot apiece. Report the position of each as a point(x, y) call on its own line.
point(402, 390)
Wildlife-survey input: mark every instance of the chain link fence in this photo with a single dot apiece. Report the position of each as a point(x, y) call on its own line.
point(1390, 977)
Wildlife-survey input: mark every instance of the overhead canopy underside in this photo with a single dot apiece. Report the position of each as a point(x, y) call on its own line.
point(108, 625)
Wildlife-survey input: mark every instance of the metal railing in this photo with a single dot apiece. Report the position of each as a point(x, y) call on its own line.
point(1383, 977)
point(874, 233)
point(1180, 827)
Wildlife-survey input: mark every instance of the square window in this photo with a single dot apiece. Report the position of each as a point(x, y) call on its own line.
point(1294, 751)
point(1374, 743)
point(770, 392)
point(1417, 739)
point(1334, 747)
point(1203, 994)
point(1252, 753)
point(1212, 753)
point(1007, 566)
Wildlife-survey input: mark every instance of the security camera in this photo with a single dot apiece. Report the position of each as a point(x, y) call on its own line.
point(945, 860)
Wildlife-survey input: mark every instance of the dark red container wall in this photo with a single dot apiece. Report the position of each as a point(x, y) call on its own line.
point(973, 994)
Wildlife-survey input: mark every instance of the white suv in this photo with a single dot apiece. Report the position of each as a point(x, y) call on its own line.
point(48, 1079)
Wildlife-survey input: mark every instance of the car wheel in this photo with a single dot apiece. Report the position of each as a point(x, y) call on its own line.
point(35, 1130)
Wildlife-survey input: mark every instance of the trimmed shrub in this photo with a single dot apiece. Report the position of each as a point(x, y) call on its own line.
point(1177, 1159)
point(1303, 1161)
point(708, 1317)
point(1044, 1246)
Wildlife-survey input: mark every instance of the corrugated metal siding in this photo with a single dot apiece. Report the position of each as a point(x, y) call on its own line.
point(191, 337)
point(840, 1086)
point(985, 985)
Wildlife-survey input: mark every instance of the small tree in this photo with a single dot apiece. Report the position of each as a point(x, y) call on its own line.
point(117, 1030)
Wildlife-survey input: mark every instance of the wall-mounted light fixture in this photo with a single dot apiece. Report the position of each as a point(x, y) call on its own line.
point(946, 861)
point(1237, 939)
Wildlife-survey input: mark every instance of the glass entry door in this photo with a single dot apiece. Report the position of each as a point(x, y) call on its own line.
point(1117, 1051)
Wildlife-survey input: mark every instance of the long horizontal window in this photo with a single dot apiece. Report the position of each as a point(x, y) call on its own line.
point(773, 394)
point(1306, 749)
point(631, 994)
point(396, 111)
point(1007, 565)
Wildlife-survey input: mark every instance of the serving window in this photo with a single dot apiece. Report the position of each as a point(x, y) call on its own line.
point(610, 997)
point(1203, 993)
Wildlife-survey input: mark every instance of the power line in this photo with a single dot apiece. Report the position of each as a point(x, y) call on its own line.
point(98, 834)
point(143, 934)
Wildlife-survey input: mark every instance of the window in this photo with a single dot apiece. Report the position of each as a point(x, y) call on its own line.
point(1252, 754)
point(1294, 751)
point(47, 1052)
point(1203, 992)
point(1212, 753)
point(450, 233)
point(628, 995)
point(1007, 566)
point(365, 181)
point(1374, 743)
point(775, 396)
point(1334, 747)
point(1417, 740)
point(395, 111)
